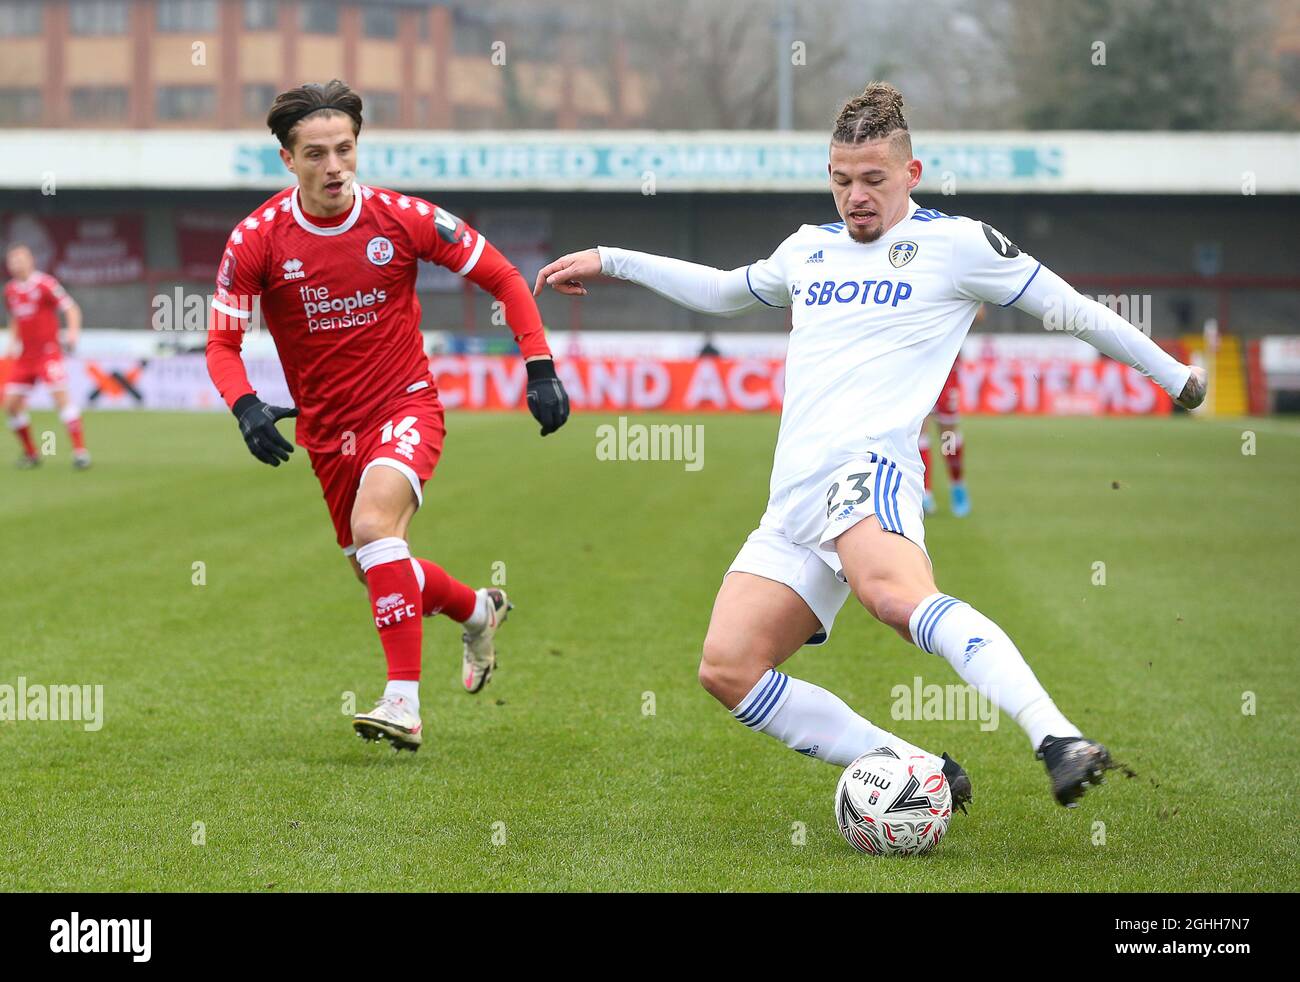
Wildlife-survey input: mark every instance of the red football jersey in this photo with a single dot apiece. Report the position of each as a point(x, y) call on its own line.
point(34, 305)
point(338, 297)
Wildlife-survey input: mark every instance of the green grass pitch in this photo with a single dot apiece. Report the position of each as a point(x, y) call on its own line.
point(226, 762)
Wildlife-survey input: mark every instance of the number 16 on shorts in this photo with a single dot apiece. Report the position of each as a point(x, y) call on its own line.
point(407, 436)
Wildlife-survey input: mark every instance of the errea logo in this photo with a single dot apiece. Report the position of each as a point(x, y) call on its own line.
point(386, 603)
point(293, 269)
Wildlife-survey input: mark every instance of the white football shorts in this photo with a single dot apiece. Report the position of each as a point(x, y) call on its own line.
point(794, 543)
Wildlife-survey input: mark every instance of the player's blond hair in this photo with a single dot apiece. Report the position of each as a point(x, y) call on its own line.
point(875, 114)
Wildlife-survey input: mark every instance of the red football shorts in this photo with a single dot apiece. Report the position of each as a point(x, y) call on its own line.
point(408, 438)
point(29, 371)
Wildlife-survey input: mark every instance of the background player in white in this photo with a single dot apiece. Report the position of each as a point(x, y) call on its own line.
point(881, 303)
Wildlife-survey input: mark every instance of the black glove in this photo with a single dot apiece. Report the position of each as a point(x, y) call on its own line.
point(257, 423)
point(547, 400)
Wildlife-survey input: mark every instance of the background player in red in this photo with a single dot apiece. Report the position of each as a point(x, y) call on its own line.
point(34, 300)
point(947, 413)
point(332, 265)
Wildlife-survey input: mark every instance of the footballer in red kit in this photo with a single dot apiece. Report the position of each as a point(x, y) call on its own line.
point(34, 301)
point(329, 266)
point(947, 414)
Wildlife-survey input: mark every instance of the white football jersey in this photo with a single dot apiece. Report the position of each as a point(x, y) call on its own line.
point(876, 328)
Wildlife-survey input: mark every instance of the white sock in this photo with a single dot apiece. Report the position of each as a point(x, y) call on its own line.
point(986, 658)
point(410, 691)
point(813, 721)
point(478, 620)
point(381, 551)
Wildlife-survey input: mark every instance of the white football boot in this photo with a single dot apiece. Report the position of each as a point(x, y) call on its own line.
point(480, 657)
point(393, 720)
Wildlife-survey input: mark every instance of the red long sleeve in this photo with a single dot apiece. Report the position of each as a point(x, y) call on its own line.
point(225, 366)
point(497, 275)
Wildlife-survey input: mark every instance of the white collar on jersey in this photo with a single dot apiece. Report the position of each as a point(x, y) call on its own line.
point(351, 220)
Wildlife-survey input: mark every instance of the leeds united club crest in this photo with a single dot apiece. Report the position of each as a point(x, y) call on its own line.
point(901, 253)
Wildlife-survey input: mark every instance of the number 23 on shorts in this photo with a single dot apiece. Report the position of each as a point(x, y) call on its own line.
point(850, 490)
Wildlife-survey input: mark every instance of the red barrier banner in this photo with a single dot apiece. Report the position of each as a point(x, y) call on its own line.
point(988, 385)
point(1058, 387)
point(617, 384)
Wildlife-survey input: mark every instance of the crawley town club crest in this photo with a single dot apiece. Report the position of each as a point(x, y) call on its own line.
point(379, 250)
point(901, 253)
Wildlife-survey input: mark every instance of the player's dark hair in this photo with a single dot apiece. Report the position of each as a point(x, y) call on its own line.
point(875, 114)
point(292, 107)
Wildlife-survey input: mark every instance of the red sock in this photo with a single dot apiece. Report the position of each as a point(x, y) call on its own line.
point(925, 460)
point(23, 430)
point(954, 461)
point(444, 595)
point(75, 432)
point(393, 588)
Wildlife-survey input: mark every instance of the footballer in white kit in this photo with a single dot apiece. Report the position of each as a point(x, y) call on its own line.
point(880, 304)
